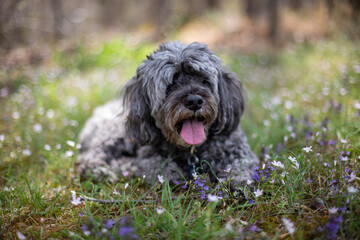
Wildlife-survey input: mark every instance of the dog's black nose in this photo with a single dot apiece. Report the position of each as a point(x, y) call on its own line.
point(194, 102)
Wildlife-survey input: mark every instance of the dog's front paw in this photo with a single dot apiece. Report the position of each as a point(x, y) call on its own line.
point(99, 174)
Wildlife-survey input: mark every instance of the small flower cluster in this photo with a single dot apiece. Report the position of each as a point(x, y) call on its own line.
point(333, 225)
point(75, 200)
point(263, 174)
point(109, 229)
point(200, 185)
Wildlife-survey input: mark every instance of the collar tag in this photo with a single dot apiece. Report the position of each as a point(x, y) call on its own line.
point(192, 161)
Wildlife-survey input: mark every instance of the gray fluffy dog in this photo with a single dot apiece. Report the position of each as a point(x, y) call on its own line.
point(180, 113)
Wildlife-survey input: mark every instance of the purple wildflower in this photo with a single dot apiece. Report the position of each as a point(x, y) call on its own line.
point(109, 224)
point(342, 209)
point(85, 228)
point(254, 228)
point(256, 175)
point(333, 226)
point(125, 230)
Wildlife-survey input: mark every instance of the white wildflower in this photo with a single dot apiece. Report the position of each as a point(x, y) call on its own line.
point(288, 104)
point(258, 193)
point(357, 104)
point(160, 211)
point(16, 115)
point(277, 164)
point(161, 179)
point(75, 200)
point(333, 210)
point(26, 152)
point(70, 143)
point(343, 91)
point(289, 225)
point(249, 182)
point(227, 169)
point(50, 113)
point(352, 189)
point(296, 165)
point(2, 137)
point(307, 149)
point(37, 128)
point(344, 159)
point(116, 192)
point(212, 198)
point(69, 153)
point(352, 177)
point(293, 159)
point(126, 185)
point(47, 147)
point(20, 235)
point(343, 141)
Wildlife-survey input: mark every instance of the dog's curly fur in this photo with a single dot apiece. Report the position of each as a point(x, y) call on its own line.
point(140, 132)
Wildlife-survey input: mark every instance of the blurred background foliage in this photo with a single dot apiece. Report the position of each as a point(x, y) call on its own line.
point(246, 25)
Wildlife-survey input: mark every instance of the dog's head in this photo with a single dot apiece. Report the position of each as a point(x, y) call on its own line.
point(183, 93)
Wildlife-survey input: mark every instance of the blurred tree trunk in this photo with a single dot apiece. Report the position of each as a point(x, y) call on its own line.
point(108, 12)
point(161, 10)
point(58, 12)
point(273, 16)
point(213, 4)
point(355, 4)
point(295, 4)
point(7, 13)
point(252, 8)
point(331, 6)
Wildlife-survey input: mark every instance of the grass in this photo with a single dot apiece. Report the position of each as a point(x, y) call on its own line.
point(306, 95)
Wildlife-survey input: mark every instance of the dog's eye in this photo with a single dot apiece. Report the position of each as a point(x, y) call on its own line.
point(206, 82)
point(176, 76)
point(191, 69)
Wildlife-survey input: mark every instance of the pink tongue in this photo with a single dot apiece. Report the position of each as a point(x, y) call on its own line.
point(192, 132)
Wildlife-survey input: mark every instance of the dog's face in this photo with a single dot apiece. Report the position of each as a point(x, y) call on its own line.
point(182, 92)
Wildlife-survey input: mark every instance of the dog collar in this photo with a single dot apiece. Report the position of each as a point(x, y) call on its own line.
point(192, 161)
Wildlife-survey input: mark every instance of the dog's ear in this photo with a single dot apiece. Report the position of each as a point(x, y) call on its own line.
point(231, 105)
point(140, 125)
